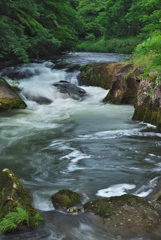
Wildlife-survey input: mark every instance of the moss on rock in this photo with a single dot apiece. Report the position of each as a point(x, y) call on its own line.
point(65, 199)
point(126, 215)
point(148, 106)
point(12, 195)
point(8, 98)
point(96, 74)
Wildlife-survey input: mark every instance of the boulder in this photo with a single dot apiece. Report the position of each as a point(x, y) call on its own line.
point(97, 74)
point(126, 216)
point(118, 77)
point(17, 72)
point(124, 85)
point(65, 199)
point(148, 104)
point(72, 90)
point(15, 204)
point(8, 98)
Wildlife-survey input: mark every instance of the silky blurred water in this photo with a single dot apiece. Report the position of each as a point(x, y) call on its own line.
point(86, 146)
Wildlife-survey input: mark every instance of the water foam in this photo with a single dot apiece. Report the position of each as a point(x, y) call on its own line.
point(116, 190)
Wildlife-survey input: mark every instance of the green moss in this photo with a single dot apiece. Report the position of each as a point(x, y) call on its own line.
point(104, 207)
point(95, 74)
point(146, 114)
point(12, 103)
point(13, 195)
point(65, 199)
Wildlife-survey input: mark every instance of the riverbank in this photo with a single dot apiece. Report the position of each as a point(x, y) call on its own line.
point(127, 86)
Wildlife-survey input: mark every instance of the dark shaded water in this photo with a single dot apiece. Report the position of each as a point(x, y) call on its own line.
point(89, 147)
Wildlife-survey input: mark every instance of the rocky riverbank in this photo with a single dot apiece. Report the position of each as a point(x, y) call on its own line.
point(126, 86)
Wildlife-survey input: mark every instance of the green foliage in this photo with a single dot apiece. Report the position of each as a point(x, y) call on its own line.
point(37, 219)
point(126, 45)
point(13, 220)
point(148, 54)
point(32, 29)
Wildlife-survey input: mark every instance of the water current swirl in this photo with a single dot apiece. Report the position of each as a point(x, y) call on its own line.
point(86, 146)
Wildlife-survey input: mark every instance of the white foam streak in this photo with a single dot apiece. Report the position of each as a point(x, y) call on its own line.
point(75, 156)
point(42, 202)
point(145, 190)
point(115, 190)
point(135, 132)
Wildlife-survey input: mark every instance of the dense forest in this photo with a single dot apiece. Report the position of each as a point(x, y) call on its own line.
point(33, 29)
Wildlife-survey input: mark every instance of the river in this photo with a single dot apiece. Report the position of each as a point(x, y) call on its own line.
point(87, 146)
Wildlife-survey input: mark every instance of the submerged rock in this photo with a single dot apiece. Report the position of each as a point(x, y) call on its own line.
point(126, 216)
point(38, 99)
point(8, 98)
point(17, 72)
point(14, 196)
point(72, 90)
point(65, 199)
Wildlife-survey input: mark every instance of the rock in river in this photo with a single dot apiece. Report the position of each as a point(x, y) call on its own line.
point(65, 199)
point(72, 90)
point(8, 98)
point(126, 216)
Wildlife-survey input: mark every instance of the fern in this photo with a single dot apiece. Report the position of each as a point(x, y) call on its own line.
point(13, 220)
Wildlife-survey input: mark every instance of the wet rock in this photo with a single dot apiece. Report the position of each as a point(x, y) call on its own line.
point(18, 72)
point(97, 74)
point(124, 85)
point(118, 77)
point(126, 216)
point(148, 104)
point(8, 98)
point(72, 90)
point(13, 195)
point(38, 99)
point(155, 196)
point(75, 210)
point(65, 199)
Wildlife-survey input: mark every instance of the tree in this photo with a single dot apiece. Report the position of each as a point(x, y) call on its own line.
point(89, 12)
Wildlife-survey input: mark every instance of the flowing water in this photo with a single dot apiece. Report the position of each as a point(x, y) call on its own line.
point(87, 146)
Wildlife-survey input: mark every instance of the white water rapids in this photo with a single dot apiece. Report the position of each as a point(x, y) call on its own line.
point(86, 146)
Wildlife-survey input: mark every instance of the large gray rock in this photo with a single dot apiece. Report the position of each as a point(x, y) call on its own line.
point(8, 98)
point(126, 216)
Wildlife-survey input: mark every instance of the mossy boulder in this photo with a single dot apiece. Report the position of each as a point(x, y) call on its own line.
point(13, 195)
point(65, 199)
point(148, 104)
point(126, 216)
point(97, 74)
point(8, 98)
